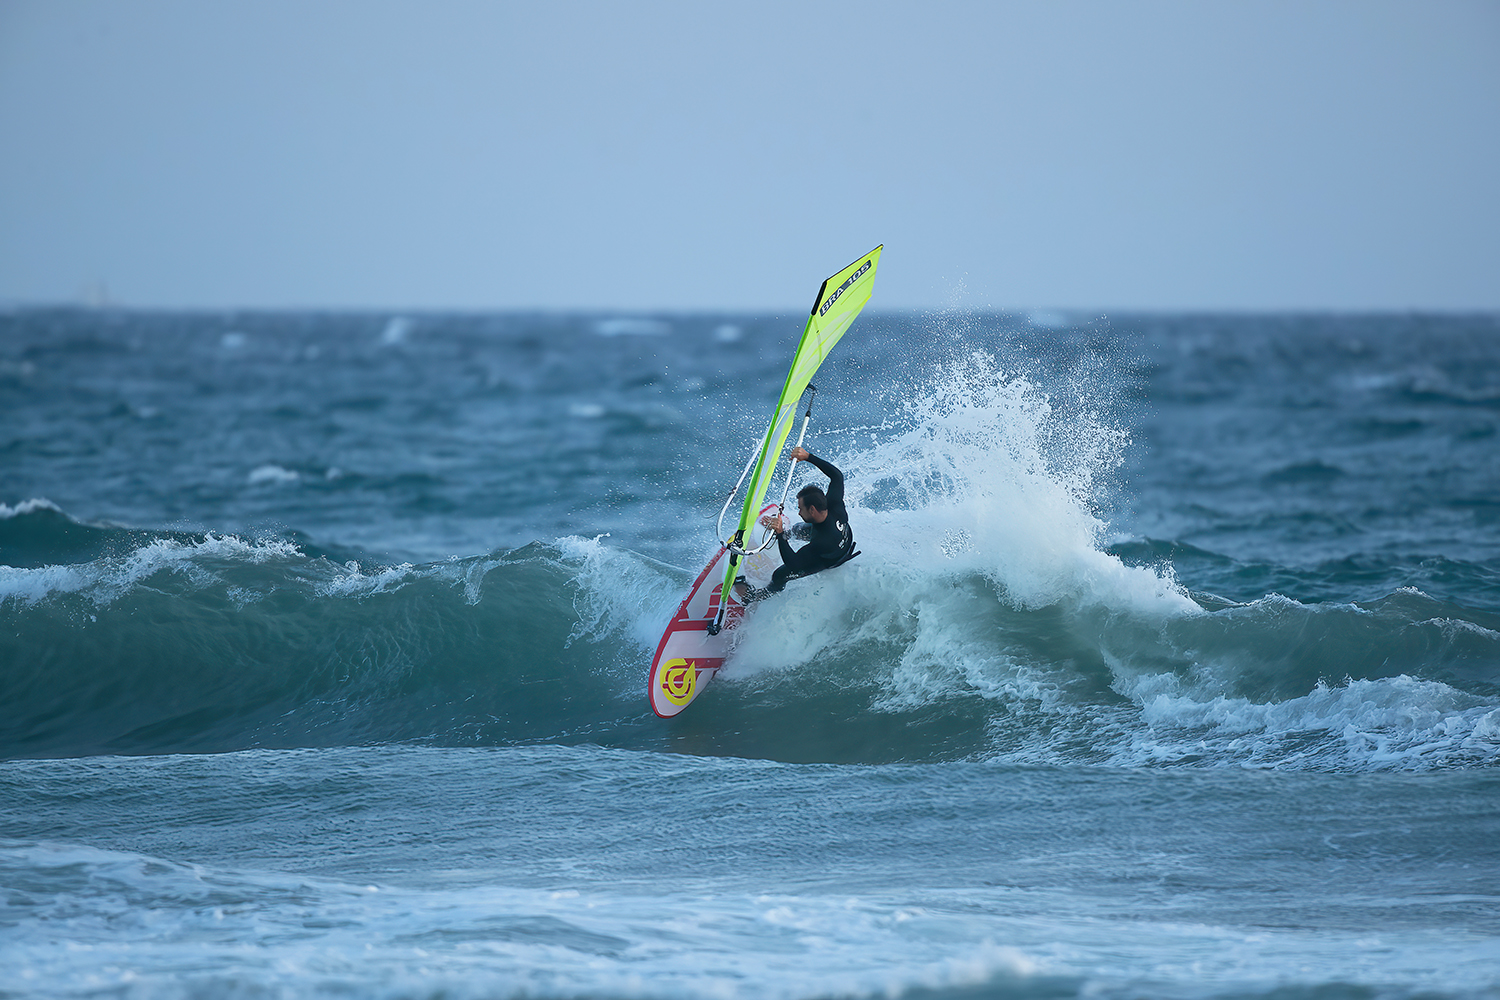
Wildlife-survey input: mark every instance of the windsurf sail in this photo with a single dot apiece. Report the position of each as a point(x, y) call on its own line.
point(839, 301)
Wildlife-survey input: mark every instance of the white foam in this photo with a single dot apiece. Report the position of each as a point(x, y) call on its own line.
point(270, 473)
point(105, 580)
point(354, 582)
point(1451, 626)
point(143, 926)
point(29, 586)
point(27, 507)
point(984, 474)
point(619, 592)
point(782, 634)
point(98, 922)
point(632, 327)
point(1391, 723)
point(952, 654)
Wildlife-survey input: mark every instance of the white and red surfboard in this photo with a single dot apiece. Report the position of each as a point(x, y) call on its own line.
point(687, 656)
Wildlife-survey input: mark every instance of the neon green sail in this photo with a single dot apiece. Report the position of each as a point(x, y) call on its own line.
point(839, 301)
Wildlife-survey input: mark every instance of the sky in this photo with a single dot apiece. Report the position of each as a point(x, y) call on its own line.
point(368, 154)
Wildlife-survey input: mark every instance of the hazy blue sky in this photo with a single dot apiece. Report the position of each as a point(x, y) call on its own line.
point(1104, 155)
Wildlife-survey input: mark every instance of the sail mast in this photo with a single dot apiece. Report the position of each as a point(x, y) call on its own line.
point(840, 299)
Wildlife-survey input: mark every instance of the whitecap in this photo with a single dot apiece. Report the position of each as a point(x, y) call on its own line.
point(1453, 625)
point(397, 328)
point(619, 592)
point(985, 473)
point(632, 327)
point(270, 473)
point(28, 507)
point(105, 580)
point(354, 582)
point(1391, 723)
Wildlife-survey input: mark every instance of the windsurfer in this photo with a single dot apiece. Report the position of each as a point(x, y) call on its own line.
point(825, 525)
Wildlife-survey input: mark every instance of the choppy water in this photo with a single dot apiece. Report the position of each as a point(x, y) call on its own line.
point(1171, 668)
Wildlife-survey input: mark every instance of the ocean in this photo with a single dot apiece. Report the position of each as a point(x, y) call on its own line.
point(1170, 669)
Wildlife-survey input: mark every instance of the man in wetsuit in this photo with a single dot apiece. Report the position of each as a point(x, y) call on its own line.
point(831, 542)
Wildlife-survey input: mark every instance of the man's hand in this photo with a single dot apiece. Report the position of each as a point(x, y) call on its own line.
point(801, 454)
point(772, 522)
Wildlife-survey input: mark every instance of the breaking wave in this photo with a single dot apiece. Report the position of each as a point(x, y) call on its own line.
point(989, 618)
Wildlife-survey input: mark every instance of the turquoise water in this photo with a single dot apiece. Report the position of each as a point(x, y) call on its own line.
point(1171, 668)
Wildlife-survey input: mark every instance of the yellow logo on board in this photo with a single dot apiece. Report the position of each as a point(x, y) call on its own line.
point(678, 680)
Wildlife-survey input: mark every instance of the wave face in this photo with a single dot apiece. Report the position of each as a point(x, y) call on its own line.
point(993, 616)
point(217, 642)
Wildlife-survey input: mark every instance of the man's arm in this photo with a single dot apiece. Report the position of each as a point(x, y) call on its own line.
point(772, 522)
point(788, 554)
point(835, 477)
point(807, 557)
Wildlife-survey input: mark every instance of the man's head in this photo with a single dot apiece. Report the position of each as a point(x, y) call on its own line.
point(812, 504)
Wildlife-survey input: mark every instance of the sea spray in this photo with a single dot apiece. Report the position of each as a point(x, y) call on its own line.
point(981, 495)
point(620, 595)
point(983, 471)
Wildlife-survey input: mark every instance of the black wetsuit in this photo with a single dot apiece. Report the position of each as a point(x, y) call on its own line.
point(831, 542)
